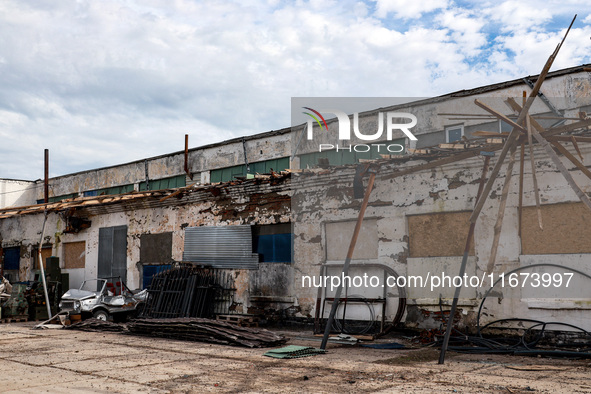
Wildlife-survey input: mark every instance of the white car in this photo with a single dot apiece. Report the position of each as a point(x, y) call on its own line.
point(104, 298)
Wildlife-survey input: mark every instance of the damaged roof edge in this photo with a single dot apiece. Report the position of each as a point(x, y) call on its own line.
point(286, 130)
point(163, 194)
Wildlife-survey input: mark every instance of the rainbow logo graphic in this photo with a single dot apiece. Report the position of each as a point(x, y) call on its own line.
point(315, 118)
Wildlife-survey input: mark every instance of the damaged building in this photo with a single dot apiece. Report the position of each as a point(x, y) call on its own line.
point(270, 209)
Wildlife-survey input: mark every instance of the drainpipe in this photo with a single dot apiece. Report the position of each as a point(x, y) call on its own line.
point(187, 157)
point(49, 316)
point(46, 178)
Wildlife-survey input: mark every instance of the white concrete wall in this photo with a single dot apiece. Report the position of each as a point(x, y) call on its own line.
point(17, 193)
point(328, 198)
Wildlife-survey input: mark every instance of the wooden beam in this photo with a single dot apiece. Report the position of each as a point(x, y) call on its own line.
point(533, 170)
point(569, 127)
point(499, 115)
point(546, 145)
point(501, 214)
point(572, 158)
point(515, 132)
point(568, 138)
point(435, 163)
point(576, 146)
point(521, 168)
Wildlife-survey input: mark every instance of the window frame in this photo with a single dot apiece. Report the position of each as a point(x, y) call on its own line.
point(453, 127)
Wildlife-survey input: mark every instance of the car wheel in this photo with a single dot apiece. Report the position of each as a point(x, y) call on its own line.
point(101, 315)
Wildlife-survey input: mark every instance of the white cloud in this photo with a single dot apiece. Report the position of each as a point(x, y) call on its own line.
point(407, 8)
point(104, 83)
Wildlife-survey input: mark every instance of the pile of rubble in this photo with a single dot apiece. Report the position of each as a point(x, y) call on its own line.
point(205, 330)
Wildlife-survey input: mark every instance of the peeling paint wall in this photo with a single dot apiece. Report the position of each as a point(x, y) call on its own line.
point(266, 205)
point(327, 198)
point(201, 161)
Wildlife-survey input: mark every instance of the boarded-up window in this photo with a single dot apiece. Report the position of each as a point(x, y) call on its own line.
point(338, 238)
point(46, 252)
point(156, 248)
point(74, 255)
point(439, 234)
point(567, 229)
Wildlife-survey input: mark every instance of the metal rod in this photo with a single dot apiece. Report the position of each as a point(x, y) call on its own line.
point(187, 157)
point(515, 132)
point(41, 265)
point(345, 271)
point(454, 303)
point(46, 178)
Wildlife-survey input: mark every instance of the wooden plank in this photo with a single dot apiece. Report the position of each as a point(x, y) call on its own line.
point(432, 164)
point(501, 213)
point(572, 158)
point(499, 115)
point(576, 146)
point(515, 132)
point(459, 145)
point(569, 127)
point(533, 170)
point(521, 168)
point(546, 145)
point(492, 134)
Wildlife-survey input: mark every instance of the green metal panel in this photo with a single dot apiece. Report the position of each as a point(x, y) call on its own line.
point(62, 197)
point(165, 183)
point(343, 157)
point(262, 167)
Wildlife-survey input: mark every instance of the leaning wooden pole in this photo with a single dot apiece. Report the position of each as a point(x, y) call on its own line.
point(454, 304)
point(345, 271)
point(40, 257)
point(501, 214)
point(515, 132)
point(533, 171)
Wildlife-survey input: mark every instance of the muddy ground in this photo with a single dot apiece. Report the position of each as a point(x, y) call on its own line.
point(62, 361)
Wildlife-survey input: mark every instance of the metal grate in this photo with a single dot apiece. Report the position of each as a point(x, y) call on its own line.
point(189, 291)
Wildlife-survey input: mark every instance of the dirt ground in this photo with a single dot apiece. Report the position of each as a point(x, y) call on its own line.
point(67, 361)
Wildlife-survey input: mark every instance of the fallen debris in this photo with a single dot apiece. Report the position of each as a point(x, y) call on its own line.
point(94, 325)
point(293, 351)
point(205, 330)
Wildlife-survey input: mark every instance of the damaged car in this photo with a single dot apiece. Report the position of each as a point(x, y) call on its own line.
point(104, 298)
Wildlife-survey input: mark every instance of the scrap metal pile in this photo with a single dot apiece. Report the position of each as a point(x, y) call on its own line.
point(188, 291)
point(205, 330)
point(94, 324)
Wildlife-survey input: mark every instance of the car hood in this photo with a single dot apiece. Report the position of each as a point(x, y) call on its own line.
point(76, 294)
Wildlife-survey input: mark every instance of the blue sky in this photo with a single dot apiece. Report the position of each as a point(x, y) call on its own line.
point(101, 83)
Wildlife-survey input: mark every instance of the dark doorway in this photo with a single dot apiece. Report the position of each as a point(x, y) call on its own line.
point(112, 253)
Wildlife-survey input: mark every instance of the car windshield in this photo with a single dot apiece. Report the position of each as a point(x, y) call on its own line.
point(92, 285)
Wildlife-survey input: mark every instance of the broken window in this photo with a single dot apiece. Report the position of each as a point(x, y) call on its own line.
point(566, 229)
point(74, 255)
point(338, 238)
point(273, 243)
point(439, 234)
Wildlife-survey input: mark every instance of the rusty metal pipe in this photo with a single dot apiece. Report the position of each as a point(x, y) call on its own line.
point(46, 178)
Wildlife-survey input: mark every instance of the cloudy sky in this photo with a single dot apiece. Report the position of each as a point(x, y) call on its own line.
point(106, 82)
